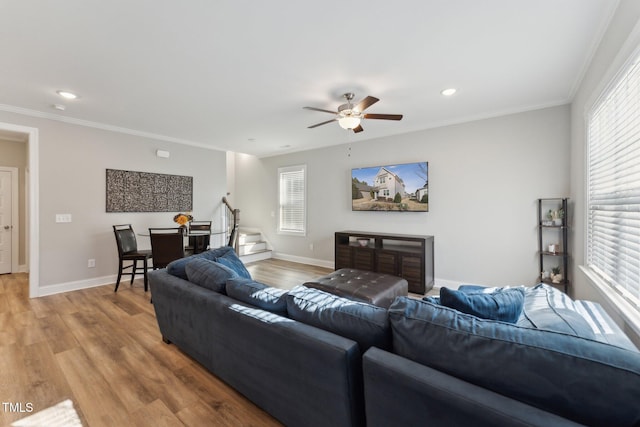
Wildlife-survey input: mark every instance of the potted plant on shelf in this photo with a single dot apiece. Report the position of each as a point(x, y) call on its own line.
point(556, 277)
point(557, 217)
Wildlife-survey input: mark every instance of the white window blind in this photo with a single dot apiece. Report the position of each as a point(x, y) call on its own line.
point(292, 189)
point(613, 223)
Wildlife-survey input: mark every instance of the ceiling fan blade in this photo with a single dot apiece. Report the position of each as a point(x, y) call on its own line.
point(357, 129)
point(320, 124)
point(319, 109)
point(383, 116)
point(366, 103)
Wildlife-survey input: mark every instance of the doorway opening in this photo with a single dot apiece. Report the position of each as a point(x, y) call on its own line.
point(29, 136)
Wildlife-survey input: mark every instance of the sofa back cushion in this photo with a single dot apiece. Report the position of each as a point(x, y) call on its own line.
point(178, 267)
point(364, 323)
point(258, 294)
point(209, 274)
point(584, 380)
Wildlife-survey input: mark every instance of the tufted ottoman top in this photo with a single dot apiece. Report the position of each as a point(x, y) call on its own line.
point(368, 286)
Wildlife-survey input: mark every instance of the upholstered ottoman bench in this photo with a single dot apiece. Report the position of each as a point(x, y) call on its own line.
point(375, 288)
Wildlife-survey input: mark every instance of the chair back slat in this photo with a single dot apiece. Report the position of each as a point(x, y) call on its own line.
point(200, 225)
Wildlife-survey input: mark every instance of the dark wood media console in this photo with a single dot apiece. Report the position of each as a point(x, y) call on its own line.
point(403, 255)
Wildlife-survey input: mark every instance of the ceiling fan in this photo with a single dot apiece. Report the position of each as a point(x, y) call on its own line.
point(349, 116)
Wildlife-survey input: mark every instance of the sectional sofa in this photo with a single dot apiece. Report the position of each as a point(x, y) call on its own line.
point(310, 358)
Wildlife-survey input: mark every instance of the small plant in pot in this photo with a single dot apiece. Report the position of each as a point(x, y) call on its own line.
point(548, 218)
point(556, 277)
point(557, 217)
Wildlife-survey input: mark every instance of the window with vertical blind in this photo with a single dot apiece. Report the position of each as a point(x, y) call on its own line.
point(613, 167)
point(292, 189)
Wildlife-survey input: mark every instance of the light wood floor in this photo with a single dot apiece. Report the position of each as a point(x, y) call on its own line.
point(103, 351)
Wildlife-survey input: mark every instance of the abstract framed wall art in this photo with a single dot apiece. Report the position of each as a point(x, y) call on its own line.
point(131, 191)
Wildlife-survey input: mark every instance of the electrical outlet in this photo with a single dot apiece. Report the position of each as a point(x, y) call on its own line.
point(311, 246)
point(91, 263)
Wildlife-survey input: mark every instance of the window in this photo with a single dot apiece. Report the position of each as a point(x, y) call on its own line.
point(613, 222)
point(292, 189)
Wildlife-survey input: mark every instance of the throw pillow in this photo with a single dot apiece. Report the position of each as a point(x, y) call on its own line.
point(209, 274)
point(503, 304)
point(258, 294)
point(231, 260)
point(177, 267)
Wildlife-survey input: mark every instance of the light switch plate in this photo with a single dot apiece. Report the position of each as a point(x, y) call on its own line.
point(63, 217)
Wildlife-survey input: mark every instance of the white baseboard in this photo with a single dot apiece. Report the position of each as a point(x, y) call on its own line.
point(444, 283)
point(76, 285)
point(23, 268)
point(303, 260)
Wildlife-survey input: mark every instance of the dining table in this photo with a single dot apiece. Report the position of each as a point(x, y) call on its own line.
point(197, 234)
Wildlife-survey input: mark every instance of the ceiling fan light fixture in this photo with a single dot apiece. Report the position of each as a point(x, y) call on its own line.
point(349, 116)
point(349, 122)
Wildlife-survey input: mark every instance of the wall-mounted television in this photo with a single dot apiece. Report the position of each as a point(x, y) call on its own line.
point(399, 187)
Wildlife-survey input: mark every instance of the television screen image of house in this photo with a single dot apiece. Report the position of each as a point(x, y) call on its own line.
point(401, 187)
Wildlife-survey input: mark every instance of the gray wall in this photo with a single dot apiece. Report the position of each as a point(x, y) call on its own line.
point(73, 160)
point(484, 179)
point(619, 41)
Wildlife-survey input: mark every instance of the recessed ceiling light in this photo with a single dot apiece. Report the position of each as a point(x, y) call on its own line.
point(67, 94)
point(59, 107)
point(448, 92)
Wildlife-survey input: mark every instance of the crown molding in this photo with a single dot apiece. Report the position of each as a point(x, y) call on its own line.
point(103, 126)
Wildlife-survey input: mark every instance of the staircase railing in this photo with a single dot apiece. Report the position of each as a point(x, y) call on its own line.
point(233, 222)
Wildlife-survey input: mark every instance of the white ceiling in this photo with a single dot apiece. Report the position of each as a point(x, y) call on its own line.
point(235, 74)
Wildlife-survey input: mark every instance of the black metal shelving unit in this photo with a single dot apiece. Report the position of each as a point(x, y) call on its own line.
point(553, 229)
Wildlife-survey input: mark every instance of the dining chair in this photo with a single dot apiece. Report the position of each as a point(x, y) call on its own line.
point(167, 244)
point(199, 243)
point(128, 251)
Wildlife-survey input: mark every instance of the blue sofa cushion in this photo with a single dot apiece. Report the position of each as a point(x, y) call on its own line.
point(177, 267)
point(584, 380)
point(548, 308)
point(209, 274)
point(504, 304)
point(231, 260)
point(258, 294)
point(364, 323)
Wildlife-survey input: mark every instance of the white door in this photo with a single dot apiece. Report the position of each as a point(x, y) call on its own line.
point(5, 222)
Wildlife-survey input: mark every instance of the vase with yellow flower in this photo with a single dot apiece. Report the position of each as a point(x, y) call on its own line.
point(183, 220)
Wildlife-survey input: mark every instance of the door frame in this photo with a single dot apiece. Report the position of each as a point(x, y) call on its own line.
point(15, 218)
point(32, 190)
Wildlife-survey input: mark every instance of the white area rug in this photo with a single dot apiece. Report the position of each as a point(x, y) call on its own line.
point(61, 415)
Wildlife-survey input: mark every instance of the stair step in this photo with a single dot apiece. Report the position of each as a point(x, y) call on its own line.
point(244, 238)
point(252, 247)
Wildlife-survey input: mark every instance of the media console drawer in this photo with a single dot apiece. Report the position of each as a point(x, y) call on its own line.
point(403, 255)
